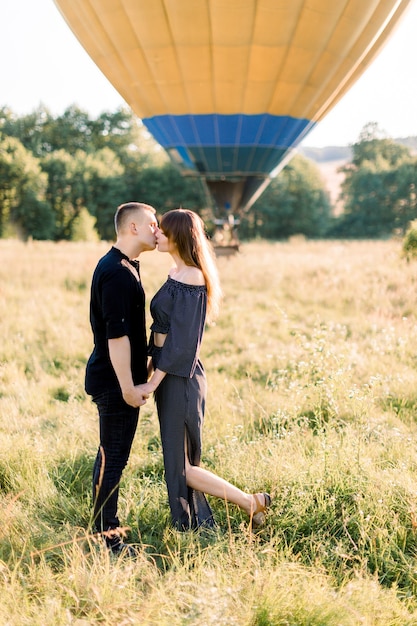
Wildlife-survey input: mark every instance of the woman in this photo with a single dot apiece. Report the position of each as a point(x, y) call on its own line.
point(179, 311)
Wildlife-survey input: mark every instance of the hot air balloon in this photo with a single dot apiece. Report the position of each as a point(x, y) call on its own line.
point(230, 87)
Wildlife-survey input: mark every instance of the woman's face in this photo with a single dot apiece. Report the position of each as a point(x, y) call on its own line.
point(163, 243)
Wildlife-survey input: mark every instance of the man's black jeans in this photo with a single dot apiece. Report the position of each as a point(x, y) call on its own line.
point(118, 423)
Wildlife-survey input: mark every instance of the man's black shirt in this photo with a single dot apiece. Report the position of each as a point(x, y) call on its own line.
point(117, 308)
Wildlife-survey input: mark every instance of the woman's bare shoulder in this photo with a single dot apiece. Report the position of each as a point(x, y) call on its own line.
point(189, 275)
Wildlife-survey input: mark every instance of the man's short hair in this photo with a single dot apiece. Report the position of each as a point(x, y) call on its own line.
point(124, 212)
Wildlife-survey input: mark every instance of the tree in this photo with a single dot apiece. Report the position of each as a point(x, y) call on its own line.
point(165, 188)
point(104, 188)
point(295, 202)
point(22, 192)
point(122, 132)
point(61, 168)
point(92, 182)
point(374, 146)
point(84, 227)
point(74, 130)
point(32, 130)
point(379, 189)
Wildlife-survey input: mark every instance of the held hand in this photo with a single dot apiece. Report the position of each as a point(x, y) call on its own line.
point(146, 388)
point(135, 396)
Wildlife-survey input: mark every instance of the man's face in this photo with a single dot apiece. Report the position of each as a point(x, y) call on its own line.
point(146, 228)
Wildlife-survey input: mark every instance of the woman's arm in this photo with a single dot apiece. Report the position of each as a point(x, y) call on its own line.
point(149, 387)
point(150, 367)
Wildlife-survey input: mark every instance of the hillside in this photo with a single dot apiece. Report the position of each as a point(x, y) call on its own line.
point(326, 154)
point(344, 153)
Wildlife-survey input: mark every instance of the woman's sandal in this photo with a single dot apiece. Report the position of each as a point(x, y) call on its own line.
point(257, 516)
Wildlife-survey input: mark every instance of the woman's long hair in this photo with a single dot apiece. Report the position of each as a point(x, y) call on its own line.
point(186, 229)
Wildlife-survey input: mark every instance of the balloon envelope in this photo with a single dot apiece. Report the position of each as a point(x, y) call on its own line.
point(230, 87)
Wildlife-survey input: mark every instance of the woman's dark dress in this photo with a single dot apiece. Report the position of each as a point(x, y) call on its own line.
point(179, 311)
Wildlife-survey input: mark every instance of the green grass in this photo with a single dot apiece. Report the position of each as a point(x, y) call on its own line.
point(312, 371)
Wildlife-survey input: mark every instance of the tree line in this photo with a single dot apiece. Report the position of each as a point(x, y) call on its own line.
point(61, 178)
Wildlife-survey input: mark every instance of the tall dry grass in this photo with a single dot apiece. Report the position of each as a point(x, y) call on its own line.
point(312, 396)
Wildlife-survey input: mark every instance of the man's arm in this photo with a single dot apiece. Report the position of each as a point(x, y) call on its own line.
point(120, 357)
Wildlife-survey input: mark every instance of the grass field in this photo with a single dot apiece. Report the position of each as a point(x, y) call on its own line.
point(312, 370)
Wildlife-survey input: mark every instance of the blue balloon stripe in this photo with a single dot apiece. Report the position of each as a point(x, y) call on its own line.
point(227, 162)
point(227, 145)
point(232, 130)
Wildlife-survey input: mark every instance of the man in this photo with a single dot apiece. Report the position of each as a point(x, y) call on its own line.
point(118, 362)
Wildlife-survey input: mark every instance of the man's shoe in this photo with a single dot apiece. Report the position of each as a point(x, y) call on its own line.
point(116, 545)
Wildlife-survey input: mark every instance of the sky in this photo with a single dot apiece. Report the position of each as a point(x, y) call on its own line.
point(43, 63)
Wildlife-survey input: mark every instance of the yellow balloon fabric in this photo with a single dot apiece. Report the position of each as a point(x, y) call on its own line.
point(231, 56)
point(229, 87)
